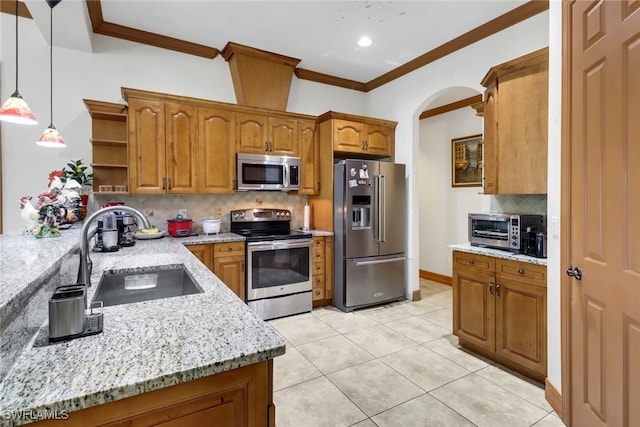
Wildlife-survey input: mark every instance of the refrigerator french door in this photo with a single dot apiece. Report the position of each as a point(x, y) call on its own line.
point(370, 233)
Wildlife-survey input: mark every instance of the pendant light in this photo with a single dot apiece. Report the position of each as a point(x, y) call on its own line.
point(15, 109)
point(51, 137)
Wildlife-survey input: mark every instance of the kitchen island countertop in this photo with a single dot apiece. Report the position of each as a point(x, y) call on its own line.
point(144, 346)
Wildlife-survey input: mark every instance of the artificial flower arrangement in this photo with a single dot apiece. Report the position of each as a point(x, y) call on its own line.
point(60, 205)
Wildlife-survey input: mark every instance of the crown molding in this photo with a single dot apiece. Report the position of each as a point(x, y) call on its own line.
point(467, 102)
point(8, 6)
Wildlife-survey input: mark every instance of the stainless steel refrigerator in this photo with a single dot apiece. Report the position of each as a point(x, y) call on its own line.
point(370, 233)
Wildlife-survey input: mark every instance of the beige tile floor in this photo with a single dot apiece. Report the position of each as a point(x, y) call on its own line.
point(396, 365)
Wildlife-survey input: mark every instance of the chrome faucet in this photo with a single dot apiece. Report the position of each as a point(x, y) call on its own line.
point(84, 272)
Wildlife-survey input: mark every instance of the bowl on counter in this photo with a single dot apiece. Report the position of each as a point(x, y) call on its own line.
point(211, 226)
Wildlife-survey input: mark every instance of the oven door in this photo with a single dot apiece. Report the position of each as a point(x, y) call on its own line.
point(277, 268)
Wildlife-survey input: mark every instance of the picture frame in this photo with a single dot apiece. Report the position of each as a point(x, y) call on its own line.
point(467, 161)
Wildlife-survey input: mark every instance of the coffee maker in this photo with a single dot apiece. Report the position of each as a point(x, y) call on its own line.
point(126, 229)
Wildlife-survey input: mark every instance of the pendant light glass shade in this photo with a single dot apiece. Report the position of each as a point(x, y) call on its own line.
point(15, 109)
point(51, 137)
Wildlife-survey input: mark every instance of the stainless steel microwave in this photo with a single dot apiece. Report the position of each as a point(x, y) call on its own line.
point(262, 172)
point(503, 231)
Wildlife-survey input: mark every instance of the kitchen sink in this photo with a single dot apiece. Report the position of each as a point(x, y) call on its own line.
point(126, 287)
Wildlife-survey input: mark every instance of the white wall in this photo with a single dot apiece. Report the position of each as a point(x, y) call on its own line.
point(443, 208)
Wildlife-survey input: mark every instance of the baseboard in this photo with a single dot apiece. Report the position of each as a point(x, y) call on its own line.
point(553, 396)
point(416, 296)
point(440, 278)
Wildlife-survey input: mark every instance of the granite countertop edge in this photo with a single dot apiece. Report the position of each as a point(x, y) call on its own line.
point(497, 253)
point(144, 346)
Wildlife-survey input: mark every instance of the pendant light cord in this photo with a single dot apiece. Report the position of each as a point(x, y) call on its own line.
point(16, 45)
point(51, 65)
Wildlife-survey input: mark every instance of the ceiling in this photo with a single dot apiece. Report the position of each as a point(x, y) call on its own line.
point(321, 34)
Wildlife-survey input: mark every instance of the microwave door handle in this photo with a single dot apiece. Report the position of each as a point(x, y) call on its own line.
point(285, 176)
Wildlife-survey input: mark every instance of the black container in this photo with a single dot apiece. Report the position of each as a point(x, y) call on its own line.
point(541, 245)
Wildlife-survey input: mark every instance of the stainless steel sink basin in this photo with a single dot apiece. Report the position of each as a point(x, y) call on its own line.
point(125, 287)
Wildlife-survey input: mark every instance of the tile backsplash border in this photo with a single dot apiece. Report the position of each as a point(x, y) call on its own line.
point(161, 207)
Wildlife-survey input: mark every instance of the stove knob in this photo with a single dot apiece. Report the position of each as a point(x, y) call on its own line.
point(287, 213)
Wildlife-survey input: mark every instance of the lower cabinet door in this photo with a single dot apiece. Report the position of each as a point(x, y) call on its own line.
point(231, 271)
point(521, 323)
point(474, 308)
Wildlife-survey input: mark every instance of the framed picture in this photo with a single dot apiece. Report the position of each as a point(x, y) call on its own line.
point(466, 161)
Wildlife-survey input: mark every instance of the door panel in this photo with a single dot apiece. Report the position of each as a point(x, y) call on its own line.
point(217, 154)
point(182, 149)
point(603, 137)
point(146, 146)
point(360, 209)
point(373, 280)
point(474, 308)
point(394, 208)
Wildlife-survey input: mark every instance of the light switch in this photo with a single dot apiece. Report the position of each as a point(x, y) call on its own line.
point(555, 227)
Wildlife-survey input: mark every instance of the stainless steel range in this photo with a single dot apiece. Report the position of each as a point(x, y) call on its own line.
point(278, 262)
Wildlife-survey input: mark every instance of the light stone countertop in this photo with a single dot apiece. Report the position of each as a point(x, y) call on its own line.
point(144, 346)
point(497, 253)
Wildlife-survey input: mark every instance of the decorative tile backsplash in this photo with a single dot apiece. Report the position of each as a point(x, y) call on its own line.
point(519, 203)
point(159, 208)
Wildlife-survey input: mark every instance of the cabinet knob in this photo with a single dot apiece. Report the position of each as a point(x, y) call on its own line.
point(520, 271)
point(471, 262)
point(229, 249)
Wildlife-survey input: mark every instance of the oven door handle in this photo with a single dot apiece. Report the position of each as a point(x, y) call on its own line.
point(285, 244)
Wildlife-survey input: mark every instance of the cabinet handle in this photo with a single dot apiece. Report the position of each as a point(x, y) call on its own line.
point(366, 145)
point(491, 288)
point(170, 183)
point(164, 183)
point(520, 271)
point(497, 290)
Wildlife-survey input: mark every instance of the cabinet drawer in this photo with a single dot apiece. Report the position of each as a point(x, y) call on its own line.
point(228, 249)
point(476, 262)
point(531, 273)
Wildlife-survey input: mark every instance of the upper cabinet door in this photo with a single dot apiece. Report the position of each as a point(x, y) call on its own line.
point(146, 147)
point(348, 136)
point(309, 157)
point(181, 147)
point(379, 140)
point(489, 158)
point(252, 133)
point(216, 148)
point(283, 138)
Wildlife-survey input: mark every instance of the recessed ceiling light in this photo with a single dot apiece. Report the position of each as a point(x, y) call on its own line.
point(364, 41)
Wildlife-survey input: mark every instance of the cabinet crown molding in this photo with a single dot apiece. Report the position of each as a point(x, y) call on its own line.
point(538, 57)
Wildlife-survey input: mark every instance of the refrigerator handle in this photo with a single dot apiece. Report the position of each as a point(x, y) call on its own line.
point(376, 208)
point(383, 208)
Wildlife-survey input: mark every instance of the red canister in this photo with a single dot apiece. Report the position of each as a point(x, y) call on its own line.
point(179, 226)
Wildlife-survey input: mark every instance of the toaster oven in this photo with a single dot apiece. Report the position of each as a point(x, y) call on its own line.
point(503, 231)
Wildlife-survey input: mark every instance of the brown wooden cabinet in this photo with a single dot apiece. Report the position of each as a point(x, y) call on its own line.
point(262, 134)
point(362, 136)
point(228, 265)
point(162, 147)
point(109, 141)
point(322, 270)
point(216, 150)
point(515, 125)
point(499, 310)
point(178, 146)
point(225, 260)
point(309, 145)
point(242, 397)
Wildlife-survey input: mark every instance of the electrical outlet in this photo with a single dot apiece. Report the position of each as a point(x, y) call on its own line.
point(182, 212)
